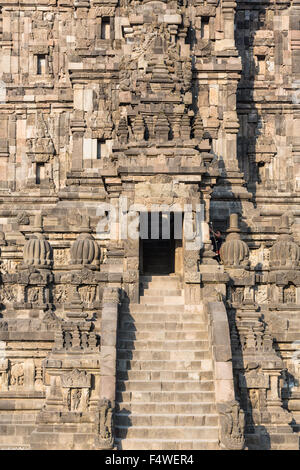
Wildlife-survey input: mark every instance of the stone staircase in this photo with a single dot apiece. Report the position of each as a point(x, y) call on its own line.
point(165, 389)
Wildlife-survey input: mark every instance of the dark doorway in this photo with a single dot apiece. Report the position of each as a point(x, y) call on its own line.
point(157, 243)
point(158, 256)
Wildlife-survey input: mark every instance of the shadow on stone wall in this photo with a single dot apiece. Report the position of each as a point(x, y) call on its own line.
point(247, 23)
point(256, 436)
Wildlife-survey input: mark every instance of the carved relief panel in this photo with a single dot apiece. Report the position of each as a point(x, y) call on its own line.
point(76, 390)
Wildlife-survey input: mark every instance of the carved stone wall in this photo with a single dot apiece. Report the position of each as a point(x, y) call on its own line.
point(166, 102)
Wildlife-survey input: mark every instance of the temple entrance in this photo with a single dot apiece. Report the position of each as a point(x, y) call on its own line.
point(159, 244)
point(158, 257)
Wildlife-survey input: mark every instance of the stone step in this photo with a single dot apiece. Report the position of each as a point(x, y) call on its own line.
point(166, 300)
point(163, 365)
point(167, 345)
point(156, 258)
point(155, 278)
point(165, 397)
point(196, 309)
point(162, 335)
point(140, 327)
point(168, 408)
point(153, 257)
point(164, 375)
point(165, 390)
point(159, 444)
point(146, 317)
point(167, 432)
point(128, 419)
point(153, 292)
point(142, 308)
point(161, 285)
point(165, 386)
point(171, 355)
point(166, 281)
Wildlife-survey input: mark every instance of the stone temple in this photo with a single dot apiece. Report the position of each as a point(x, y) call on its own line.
point(182, 114)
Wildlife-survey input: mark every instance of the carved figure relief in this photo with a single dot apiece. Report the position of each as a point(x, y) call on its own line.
point(61, 293)
point(261, 294)
point(237, 295)
point(32, 294)
point(105, 424)
point(87, 293)
point(289, 294)
point(74, 399)
point(4, 374)
point(76, 385)
point(17, 375)
point(8, 293)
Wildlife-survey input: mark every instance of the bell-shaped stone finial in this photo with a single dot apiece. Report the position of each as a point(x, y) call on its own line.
point(234, 252)
point(38, 252)
point(85, 251)
point(285, 253)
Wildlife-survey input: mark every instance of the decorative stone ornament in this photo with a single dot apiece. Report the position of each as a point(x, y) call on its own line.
point(232, 426)
point(285, 253)
point(40, 147)
point(76, 379)
point(138, 128)
point(198, 128)
point(234, 252)
point(106, 431)
point(122, 131)
point(85, 251)
point(38, 252)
